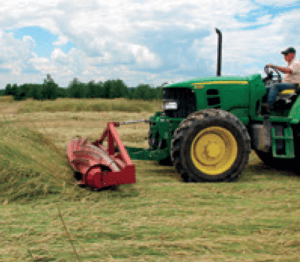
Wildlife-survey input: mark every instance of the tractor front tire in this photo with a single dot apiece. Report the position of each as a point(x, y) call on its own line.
point(211, 145)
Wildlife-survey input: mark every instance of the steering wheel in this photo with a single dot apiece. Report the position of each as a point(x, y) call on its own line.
point(270, 77)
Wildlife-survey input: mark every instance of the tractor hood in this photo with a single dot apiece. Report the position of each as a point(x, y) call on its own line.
point(197, 83)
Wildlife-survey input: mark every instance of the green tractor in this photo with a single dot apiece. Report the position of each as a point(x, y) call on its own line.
point(209, 125)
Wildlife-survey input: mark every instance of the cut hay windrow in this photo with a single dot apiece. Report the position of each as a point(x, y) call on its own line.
point(32, 167)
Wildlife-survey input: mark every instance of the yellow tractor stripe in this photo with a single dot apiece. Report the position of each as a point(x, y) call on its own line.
point(200, 85)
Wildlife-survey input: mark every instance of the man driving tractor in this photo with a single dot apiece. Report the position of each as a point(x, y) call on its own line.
point(290, 80)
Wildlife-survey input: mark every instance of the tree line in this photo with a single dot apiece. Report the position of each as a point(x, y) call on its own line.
point(109, 89)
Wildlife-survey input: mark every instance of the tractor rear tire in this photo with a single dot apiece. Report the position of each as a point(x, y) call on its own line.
point(276, 163)
point(281, 163)
point(209, 146)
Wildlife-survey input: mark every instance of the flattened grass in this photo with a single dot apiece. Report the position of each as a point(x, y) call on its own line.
point(159, 218)
point(166, 220)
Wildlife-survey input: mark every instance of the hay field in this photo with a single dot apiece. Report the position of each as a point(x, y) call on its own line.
point(159, 218)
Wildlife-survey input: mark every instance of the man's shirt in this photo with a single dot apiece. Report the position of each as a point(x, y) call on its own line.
point(294, 77)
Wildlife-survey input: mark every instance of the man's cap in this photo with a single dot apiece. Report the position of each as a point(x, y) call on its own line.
point(289, 50)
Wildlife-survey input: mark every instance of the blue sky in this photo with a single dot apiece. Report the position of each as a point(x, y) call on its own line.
point(141, 41)
point(43, 39)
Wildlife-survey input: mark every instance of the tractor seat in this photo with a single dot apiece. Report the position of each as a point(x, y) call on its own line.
point(285, 99)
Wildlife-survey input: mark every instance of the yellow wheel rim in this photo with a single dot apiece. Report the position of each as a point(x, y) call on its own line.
point(214, 150)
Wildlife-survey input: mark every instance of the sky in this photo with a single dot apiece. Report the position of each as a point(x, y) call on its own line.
point(149, 42)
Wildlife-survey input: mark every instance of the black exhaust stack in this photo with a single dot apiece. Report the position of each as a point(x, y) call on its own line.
point(219, 58)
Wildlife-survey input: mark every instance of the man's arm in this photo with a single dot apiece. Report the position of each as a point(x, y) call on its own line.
point(285, 70)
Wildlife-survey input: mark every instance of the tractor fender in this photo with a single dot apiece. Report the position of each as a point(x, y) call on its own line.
point(294, 114)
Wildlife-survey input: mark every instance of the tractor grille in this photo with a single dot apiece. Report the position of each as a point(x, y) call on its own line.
point(185, 99)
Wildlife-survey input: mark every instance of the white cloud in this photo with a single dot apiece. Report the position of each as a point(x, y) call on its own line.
point(47, 69)
point(59, 56)
point(29, 42)
point(15, 54)
point(39, 60)
point(144, 56)
point(25, 3)
point(62, 40)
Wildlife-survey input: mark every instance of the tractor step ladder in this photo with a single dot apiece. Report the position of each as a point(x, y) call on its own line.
point(285, 140)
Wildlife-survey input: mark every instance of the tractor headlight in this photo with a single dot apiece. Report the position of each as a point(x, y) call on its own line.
point(170, 105)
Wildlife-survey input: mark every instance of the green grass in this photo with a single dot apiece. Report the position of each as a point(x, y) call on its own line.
point(160, 218)
point(6, 99)
point(98, 105)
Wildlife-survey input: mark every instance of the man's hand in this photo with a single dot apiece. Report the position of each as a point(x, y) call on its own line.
point(285, 70)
